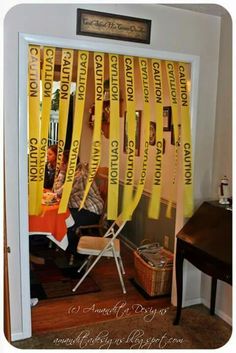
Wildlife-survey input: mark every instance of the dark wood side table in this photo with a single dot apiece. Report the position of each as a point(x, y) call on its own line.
point(206, 242)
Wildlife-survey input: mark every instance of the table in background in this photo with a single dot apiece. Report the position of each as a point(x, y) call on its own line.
point(52, 224)
point(206, 242)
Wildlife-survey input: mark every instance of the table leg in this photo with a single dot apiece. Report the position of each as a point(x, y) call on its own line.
point(213, 295)
point(179, 281)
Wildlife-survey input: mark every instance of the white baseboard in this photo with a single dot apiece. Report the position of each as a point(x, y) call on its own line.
point(191, 302)
point(17, 336)
point(218, 312)
point(206, 303)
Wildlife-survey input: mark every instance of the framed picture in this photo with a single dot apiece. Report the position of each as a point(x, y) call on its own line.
point(166, 118)
point(152, 136)
point(172, 136)
point(113, 26)
point(164, 146)
point(138, 115)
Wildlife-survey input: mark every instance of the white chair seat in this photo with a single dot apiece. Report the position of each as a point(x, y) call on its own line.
point(89, 245)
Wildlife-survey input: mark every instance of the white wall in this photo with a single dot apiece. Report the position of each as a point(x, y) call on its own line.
point(172, 30)
point(223, 133)
point(222, 153)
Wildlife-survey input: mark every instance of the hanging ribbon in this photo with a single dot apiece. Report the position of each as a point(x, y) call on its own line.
point(34, 124)
point(154, 204)
point(114, 133)
point(130, 128)
point(64, 101)
point(186, 140)
point(143, 65)
point(81, 85)
point(96, 143)
point(47, 85)
point(171, 78)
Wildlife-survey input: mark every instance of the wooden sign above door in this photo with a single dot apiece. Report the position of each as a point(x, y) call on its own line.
point(106, 25)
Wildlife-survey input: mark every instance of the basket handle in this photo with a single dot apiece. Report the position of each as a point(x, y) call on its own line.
point(149, 246)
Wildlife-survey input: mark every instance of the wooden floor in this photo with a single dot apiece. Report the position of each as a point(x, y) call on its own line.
point(109, 303)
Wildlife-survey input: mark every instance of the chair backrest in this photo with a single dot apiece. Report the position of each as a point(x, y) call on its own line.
point(118, 224)
point(101, 180)
point(119, 221)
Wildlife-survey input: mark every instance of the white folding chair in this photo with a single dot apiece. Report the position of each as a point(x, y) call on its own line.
point(107, 246)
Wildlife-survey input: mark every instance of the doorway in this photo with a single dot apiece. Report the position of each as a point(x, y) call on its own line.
point(60, 43)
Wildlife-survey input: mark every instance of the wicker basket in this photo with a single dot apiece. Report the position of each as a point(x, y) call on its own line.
point(155, 281)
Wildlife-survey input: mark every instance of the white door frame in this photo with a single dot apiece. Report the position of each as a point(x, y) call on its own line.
point(83, 44)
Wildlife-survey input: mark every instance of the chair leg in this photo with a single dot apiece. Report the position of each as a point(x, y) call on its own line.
point(110, 243)
point(121, 265)
point(90, 259)
point(83, 264)
point(119, 271)
point(90, 268)
point(86, 263)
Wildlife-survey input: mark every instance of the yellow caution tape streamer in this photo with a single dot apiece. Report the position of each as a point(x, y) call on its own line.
point(114, 143)
point(34, 124)
point(154, 204)
point(130, 124)
point(47, 85)
point(186, 140)
point(81, 85)
point(96, 143)
point(64, 101)
point(143, 65)
point(171, 78)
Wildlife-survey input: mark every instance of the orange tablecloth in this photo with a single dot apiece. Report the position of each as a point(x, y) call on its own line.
point(50, 222)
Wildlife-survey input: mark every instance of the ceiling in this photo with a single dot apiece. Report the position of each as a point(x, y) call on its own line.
point(209, 9)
